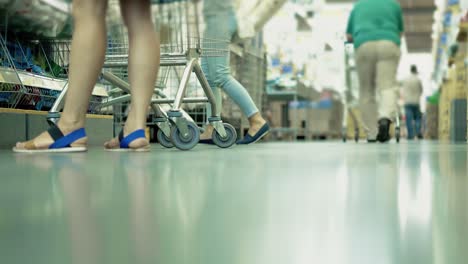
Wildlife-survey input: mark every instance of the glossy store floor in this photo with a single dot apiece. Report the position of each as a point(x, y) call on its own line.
point(276, 203)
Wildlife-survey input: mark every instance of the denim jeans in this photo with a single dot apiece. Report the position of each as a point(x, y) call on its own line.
point(413, 120)
point(217, 69)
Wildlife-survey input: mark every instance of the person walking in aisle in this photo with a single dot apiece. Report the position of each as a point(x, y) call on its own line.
point(376, 27)
point(221, 24)
point(412, 90)
point(86, 61)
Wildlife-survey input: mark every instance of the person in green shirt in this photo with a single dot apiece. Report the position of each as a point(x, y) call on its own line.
point(375, 27)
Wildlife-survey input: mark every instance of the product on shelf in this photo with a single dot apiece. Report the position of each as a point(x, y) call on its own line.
point(45, 18)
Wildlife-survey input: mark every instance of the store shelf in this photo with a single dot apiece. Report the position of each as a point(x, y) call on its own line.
point(285, 95)
point(300, 92)
point(63, 6)
point(10, 76)
point(450, 14)
point(44, 113)
point(42, 18)
point(236, 49)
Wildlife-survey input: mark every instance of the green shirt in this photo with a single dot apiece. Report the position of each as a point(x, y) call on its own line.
point(373, 20)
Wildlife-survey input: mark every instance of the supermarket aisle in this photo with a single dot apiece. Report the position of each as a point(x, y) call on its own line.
point(273, 203)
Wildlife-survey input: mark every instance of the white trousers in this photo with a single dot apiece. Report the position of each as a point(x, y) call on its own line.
point(377, 65)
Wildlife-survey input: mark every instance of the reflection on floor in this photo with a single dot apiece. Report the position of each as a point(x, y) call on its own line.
point(276, 203)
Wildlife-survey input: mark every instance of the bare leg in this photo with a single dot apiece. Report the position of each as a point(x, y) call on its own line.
point(86, 60)
point(143, 64)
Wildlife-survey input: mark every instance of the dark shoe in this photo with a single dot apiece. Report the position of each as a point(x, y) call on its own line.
point(248, 139)
point(420, 137)
point(384, 130)
point(371, 140)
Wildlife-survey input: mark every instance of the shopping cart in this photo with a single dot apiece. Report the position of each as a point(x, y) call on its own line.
point(350, 100)
point(179, 23)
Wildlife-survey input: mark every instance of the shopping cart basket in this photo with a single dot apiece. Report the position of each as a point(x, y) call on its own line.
point(179, 23)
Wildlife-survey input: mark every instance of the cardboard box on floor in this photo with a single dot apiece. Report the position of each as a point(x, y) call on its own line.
point(309, 120)
point(276, 108)
point(318, 121)
point(297, 119)
point(327, 122)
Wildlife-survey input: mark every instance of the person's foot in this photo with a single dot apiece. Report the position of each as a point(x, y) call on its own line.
point(44, 140)
point(248, 139)
point(257, 130)
point(136, 144)
point(384, 130)
point(132, 124)
point(420, 137)
point(256, 123)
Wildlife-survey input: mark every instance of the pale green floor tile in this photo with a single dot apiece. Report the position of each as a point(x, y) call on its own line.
point(276, 203)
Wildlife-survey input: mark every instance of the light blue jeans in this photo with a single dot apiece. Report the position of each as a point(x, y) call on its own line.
point(217, 69)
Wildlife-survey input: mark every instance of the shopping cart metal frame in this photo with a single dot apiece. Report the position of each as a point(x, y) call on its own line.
point(176, 127)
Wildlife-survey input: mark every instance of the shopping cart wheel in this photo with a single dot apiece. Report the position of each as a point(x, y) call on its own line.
point(185, 143)
point(163, 140)
point(231, 137)
point(397, 134)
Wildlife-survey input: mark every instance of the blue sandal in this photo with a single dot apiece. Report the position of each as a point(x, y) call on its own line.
point(126, 141)
point(248, 139)
point(62, 143)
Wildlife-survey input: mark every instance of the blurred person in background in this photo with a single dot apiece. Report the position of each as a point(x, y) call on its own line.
point(375, 27)
point(412, 90)
point(221, 25)
point(86, 61)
